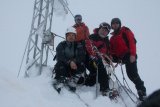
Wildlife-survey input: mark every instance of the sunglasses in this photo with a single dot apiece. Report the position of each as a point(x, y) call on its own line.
point(78, 18)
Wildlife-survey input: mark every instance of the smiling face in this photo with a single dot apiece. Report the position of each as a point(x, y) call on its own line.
point(70, 37)
point(78, 19)
point(115, 26)
point(103, 32)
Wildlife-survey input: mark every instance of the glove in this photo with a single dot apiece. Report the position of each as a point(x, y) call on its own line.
point(132, 58)
point(81, 80)
point(94, 61)
point(73, 65)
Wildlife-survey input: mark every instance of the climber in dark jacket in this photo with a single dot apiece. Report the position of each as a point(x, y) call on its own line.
point(70, 56)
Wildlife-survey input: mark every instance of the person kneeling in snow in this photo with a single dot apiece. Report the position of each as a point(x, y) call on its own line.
point(70, 56)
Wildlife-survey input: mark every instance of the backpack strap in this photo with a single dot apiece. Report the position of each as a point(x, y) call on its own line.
point(124, 36)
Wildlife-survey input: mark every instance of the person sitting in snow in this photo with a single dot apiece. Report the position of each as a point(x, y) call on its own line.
point(123, 48)
point(70, 56)
point(98, 43)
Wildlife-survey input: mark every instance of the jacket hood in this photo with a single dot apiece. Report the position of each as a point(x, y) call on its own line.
point(95, 31)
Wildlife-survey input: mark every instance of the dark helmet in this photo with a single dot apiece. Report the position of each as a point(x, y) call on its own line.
point(105, 25)
point(116, 20)
point(78, 17)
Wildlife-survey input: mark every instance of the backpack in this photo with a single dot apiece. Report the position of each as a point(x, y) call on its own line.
point(124, 36)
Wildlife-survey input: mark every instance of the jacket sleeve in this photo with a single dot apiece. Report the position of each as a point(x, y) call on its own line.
point(111, 46)
point(89, 48)
point(132, 44)
point(60, 54)
point(86, 32)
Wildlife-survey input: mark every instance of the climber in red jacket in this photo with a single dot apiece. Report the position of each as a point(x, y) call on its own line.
point(123, 49)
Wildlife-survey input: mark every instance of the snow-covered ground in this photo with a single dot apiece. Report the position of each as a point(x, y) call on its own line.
point(37, 91)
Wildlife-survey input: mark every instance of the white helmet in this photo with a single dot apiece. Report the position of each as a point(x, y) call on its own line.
point(71, 30)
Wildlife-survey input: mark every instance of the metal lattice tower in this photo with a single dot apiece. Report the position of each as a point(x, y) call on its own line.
point(41, 37)
point(41, 22)
point(37, 52)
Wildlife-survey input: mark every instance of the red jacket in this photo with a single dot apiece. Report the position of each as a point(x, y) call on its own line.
point(82, 32)
point(118, 46)
point(102, 44)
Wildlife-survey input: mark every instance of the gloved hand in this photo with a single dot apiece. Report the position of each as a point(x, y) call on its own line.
point(81, 80)
point(132, 58)
point(73, 65)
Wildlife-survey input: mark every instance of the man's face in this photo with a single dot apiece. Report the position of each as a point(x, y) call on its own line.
point(71, 37)
point(115, 26)
point(78, 20)
point(103, 32)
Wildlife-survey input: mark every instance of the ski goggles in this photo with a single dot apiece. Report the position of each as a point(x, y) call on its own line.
point(78, 18)
point(105, 25)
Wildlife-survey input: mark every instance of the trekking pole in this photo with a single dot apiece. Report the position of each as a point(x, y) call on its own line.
point(95, 65)
point(111, 63)
point(122, 73)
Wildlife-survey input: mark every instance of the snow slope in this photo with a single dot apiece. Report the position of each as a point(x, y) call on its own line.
point(37, 91)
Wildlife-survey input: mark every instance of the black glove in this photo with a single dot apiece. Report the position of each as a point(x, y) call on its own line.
point(81, 80)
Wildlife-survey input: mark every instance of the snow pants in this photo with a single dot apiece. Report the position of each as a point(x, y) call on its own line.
point(62, 70)
point(132, 73)
point(103, 78)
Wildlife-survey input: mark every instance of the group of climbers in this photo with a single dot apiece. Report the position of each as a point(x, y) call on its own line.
point(81, 51)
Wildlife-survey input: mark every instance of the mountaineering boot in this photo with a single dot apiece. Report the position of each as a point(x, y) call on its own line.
point(71, 84)
point(141, 89)
point(113, 94)
point(142, 95)
point(59, 83)
point(57, 86)
point(78, 79)
point(105, 92)
point(71, 88)
point(90, 80)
